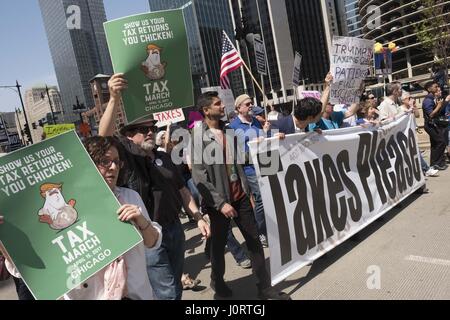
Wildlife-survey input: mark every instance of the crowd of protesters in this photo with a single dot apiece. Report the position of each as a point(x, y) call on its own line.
point(155, 190)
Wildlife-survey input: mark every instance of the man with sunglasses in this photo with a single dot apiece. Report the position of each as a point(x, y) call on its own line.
point(153, 175)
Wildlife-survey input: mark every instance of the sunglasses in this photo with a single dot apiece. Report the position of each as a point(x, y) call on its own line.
point(248, 104)
point(107, 163)
point(371, 98)
point(146, 130)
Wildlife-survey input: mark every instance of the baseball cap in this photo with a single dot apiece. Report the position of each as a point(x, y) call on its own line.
point(241, 99)
point(257, 110)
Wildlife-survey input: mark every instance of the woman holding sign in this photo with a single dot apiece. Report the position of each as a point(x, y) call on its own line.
point(126, 278)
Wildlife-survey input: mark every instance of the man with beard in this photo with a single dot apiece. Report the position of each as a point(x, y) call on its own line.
point(153, 175)
point(223, 186)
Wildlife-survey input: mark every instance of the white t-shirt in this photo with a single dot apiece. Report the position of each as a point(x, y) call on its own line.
point(138, 283)
point(388, 109)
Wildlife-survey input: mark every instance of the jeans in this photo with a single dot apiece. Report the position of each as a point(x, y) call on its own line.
point(259, 208)
point(194, 191)
point(423, 163)
point(246, 223)
point(233, 245)
point(165, 264)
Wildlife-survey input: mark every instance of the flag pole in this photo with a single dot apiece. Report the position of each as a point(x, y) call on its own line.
point(248, 70)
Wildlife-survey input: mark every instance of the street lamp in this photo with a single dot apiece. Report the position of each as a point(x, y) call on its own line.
point(50, 103)
point(20, 126)
point(79, 108)
point(18, 86)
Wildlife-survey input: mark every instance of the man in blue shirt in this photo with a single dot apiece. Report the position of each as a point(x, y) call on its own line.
point(333, 119)
point(247, 128)
point(432, 107)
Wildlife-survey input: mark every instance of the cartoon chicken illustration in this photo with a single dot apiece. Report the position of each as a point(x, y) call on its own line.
point(153, 68)
point(56, 212)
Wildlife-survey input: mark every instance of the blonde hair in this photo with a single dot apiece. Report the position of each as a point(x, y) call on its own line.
point(49, 186)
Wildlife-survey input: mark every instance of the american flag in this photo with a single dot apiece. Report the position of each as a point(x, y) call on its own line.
point(231, 60)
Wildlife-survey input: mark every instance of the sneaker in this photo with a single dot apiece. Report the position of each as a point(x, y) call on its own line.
point(246, 264)
point(441, 168)
point(432, 172)
point(221, 289)
point(263, 240)
point(271, 294)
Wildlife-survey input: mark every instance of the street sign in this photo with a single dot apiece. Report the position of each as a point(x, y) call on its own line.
point(296, 72)
point(15, 142)
point(260, 54)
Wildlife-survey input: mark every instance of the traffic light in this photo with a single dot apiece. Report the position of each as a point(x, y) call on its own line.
point(26, 130)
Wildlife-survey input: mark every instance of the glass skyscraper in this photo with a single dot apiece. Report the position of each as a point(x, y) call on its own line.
point(205, 20)
point(349, 18)
point(78, 53)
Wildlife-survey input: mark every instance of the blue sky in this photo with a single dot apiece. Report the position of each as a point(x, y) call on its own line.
point(24, 54)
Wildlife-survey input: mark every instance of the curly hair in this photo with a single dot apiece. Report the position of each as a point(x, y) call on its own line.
point(98, 146)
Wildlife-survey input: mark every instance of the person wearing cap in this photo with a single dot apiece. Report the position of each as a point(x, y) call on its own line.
point(258, 113)
point(153, 175)
point(246, 126)
point(225, 196)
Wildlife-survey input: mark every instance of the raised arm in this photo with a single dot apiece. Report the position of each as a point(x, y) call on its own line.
point(326, 92)
point(352, 110)
point(116, 84)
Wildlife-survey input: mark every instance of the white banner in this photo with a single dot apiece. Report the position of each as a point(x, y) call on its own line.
point(168, 117)
point(319, 190)
point(350, 61)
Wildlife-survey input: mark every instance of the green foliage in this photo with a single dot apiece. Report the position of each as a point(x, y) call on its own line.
point(433, 31)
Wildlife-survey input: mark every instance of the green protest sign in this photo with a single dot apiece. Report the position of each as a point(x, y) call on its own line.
point(61, 224)
point(152, 51)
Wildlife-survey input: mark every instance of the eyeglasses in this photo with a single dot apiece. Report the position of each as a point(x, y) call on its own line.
point(107, 163)
point(146, 130)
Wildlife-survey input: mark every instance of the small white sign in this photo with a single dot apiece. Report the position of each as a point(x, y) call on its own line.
point(168, 117)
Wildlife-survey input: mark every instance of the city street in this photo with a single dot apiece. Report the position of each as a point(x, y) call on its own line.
point(403, 255)
point(409, 245)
